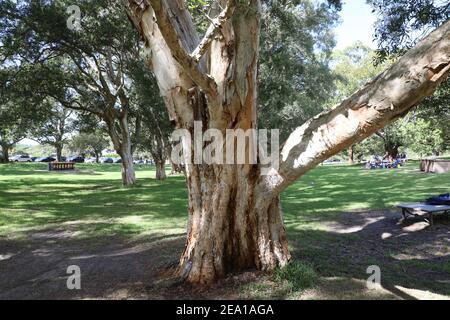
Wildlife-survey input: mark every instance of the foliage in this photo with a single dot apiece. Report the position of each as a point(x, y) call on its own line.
point(436, 111)
point(83, 70)
point(425, 139)
point(424, 128)
point(91, 143)
point(400, 24)
point(299, 274)
point(295, 79)
point(21, 110)
point(55, 130)
point(353, 67)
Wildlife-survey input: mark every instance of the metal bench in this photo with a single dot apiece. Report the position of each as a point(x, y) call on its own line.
point(414, 209)
point(61, 166)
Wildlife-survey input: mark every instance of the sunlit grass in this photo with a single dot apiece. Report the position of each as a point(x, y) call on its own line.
point(32, 198)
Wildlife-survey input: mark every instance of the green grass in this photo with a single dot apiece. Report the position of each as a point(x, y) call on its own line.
point(298, 274)
point(93, 204)
point(342, 188)
point(32, 198)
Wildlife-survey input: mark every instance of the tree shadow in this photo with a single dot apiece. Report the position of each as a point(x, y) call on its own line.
point(410, 255)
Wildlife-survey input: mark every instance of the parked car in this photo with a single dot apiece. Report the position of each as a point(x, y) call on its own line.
point(117, 160)
point(90, 160)
point(138, 162)
point(76, 159)
point(45, 159)
point(107, 160)
point(33, 159)
point(20, 158)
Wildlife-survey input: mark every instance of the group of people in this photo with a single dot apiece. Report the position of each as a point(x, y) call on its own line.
point(378, 162)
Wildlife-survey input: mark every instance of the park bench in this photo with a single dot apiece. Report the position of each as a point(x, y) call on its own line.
point(61, 166)
point(414, 209)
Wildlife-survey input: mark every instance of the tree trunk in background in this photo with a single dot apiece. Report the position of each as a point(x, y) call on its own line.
point(5, 152)
point(351, 157)
point(235, 219)
point(158, 151)
point(122, 144)
point(160, 170)
point(128, 173)
point(58, 152)
point(391, 151)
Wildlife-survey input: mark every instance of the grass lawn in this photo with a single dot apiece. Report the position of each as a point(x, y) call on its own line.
point(330, 214)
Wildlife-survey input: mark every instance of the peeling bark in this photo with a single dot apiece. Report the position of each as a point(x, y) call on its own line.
point(235, 217)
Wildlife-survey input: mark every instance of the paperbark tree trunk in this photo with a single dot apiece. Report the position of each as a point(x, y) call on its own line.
point(232, 226)
point(121, 139)
point(235, 218)
point(128, 173)
point(160, 170)
point(159, 154)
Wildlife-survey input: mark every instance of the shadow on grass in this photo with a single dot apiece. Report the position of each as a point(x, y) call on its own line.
point(104, 205)
point(411, 259)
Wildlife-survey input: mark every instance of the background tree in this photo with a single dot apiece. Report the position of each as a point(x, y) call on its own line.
point(21, 110)
point(235, 219)
point(55, 130)
point(81, 69)
point(89, 143)
point(425, 139)
point(399, 26)
point(156, 128)
point(295, 80)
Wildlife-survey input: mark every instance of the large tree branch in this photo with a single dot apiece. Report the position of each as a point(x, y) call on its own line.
point(386, 98)
point(216, 25)
point(167, 15)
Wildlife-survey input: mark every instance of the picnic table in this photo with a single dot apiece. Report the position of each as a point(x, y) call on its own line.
point(413, 209)
point(61, 166)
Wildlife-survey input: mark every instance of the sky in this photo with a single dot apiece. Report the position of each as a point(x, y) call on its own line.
point(356, 24)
